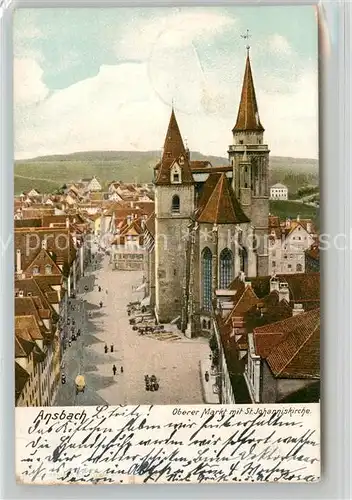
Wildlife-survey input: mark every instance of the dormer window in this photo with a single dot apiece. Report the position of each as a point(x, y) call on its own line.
point(48, 269)
point(175, 174)
point(35, 270)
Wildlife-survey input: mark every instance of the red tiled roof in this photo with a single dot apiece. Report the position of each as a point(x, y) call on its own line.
point(248, 115)
point(222, 206)
point(304, 288)
point(29, 324)
point(297, 355)
point(244, 299)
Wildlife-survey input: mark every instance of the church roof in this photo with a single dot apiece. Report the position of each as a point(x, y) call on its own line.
point(221, 206)
point(173, 150)
point(248, 116)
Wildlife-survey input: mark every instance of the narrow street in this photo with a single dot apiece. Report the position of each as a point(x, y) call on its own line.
point(172, 358)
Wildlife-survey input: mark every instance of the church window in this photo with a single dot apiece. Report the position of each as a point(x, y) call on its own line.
point(207, 278)
point(245, 184)
point(246, 169)
point(226, 268)
point(175, 204)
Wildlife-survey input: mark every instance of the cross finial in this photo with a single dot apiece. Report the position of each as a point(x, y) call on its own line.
point(247, 36)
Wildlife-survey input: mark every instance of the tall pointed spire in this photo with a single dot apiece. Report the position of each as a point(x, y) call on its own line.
point(174, 150)
point(248, 116)
point(173, 145)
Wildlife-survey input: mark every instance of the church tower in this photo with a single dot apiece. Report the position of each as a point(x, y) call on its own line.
point(249, 158)
point(174, 205)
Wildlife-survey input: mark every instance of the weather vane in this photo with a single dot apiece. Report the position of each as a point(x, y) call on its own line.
point(247, 37)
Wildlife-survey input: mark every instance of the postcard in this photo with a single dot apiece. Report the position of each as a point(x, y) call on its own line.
point(166, 255)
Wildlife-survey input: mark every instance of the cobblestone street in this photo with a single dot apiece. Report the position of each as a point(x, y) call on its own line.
point(174, 359)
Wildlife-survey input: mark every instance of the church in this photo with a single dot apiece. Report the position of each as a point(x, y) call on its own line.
point(210, 223)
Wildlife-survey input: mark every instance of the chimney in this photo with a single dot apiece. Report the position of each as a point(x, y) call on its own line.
point(288, 223)
point(284, 292)
point(274, 284)
point(309, 227)
point(67, 222)
point(297, 309)
point(18, 261)
point(298, 218)
point(242, 276)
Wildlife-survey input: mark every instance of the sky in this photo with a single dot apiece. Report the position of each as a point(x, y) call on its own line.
point(105, 79)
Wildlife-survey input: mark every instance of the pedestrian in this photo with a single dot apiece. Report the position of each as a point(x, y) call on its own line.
point(101, 304)
point(99, 288)
point(106, 349)
point(106, 292)
point(112, 348)
point(114, 369)
point(121, 369)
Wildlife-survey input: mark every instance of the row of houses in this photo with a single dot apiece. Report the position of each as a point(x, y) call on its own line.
point(266, 340)
point(51, 253)
point(86, 193)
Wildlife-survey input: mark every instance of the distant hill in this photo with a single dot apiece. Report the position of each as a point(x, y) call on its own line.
point(47, 173)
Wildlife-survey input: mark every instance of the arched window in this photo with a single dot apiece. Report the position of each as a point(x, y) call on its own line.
point(175, 205)
point(243, 259)
point(207, 278)
point(299, 268)
point(226, 268)
point(204, 324)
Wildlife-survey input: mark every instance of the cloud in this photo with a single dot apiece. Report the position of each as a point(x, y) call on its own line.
point(28, 84)
point(177, 29)
point(127, 105)
point(279, 45)
point(104, 112)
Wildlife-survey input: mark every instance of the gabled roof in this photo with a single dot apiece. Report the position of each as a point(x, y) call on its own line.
point(173, 150)
point(248, 115)
point(42, 259)
point(244, 299)
point(222, 206)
